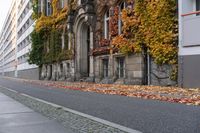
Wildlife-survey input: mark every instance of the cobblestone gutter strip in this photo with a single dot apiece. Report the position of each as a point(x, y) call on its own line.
point(78, 122)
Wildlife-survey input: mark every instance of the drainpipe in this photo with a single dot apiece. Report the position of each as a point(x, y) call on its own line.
point(181, 72)
point(111, 51)
point(148, 69)
point(145, 69)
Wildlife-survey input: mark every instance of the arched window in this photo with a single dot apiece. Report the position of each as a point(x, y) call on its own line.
point(122, 6)
point(106, 24)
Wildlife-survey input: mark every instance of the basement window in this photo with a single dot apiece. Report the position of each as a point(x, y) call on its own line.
point(105, 68)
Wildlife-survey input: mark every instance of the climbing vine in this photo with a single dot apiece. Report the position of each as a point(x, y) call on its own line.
point(35, 14)
point(52, 21)
point(47, 36)
point(36, 54)
point(114, 22)
point(151, 24)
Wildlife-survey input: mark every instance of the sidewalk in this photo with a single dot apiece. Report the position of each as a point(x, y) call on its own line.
point(17, 118)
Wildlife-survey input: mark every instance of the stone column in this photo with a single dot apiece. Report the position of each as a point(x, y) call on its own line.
point(69, 40)
point(111, 58)
point(91, 56)
point(48, 72)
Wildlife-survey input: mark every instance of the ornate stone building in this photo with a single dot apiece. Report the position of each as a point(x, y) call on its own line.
point(94, 60)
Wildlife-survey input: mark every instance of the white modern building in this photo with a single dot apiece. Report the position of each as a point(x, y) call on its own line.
point(8, 38)
point(189, 43)
point(15, 41)
point(25, 26)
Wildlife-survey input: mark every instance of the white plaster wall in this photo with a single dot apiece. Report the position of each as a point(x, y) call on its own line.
point(22, 8)
point(25, 50)
point(189, 29)
point(25, 66)
point(8, 30)
point(28, 15)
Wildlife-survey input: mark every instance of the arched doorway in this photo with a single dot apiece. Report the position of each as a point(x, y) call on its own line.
point(83, 50)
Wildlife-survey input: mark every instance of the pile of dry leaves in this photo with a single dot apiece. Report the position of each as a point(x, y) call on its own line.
point(170, 94)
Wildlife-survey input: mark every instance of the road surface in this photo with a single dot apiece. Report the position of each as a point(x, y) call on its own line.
point(147, 116)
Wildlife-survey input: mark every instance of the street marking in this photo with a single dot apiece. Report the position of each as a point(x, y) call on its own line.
point(10, 90)
point(111, 124)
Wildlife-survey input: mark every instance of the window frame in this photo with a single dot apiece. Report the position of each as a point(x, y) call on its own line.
point(120, 68)
point(48, 8)
point(106, 24)
point(62, 4)
point(120, 24)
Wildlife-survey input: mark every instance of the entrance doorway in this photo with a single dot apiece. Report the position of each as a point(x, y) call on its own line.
point(85, 50)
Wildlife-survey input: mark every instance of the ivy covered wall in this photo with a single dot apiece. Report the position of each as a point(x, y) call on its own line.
point(49, 35)
point(147, 24)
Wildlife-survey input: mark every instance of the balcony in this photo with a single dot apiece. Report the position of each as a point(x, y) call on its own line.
point(190, 29)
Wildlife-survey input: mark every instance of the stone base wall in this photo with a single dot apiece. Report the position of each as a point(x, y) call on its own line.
point(133, 69)
point(29, 74)
point(58, 71)
point(9, 74)
point(189, 74)
point(160, 75)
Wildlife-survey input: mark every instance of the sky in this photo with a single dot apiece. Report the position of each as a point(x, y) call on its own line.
point(4, 7)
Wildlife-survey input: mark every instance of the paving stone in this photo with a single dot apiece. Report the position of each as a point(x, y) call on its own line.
point(17, 118)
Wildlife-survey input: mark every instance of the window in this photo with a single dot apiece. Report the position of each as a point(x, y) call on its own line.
point(68, 68)
point(120, 67)
point(62, 3)
point(121, 7)
point(106, 24)
point(61, 70)
point(48, 8)
point(198, 6)
point(105, 68)
point(39, 7)
point(81, 2)
point(29, 39)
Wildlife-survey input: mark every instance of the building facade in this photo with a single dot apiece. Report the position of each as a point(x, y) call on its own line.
point(85, 37)
point(88, 30)
point(87, 26)
point(189, 43)
point(16, 41)
point(25, 26)
point(8, 38)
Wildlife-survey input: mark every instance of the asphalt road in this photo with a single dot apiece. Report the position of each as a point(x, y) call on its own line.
point(147, 116)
